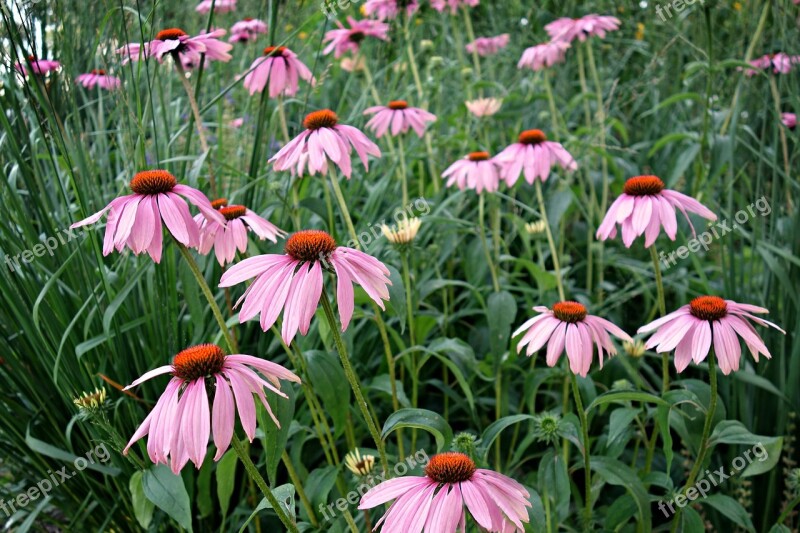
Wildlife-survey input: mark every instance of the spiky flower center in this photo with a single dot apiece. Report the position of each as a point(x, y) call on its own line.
point(450, 467)
point(219, 203)
point(274, 50)
point(571, 312)
point(248, 19)
point(397, 104)
point(153, 182)
point(310, 245)
point(198, 362)
point(324, 118)
point(532, 137)
point(99, 72)
point(357, 36)
point(170, 34)
point(643, 186)
point(478, 156)
point(708, 308)
point(233, 212)
point(32, 59)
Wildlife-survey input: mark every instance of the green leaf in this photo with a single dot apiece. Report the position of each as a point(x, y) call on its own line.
point(554, 482)
point(431, 422)
point(327, 375)
point(203, 494)
point(495, 428)
point(730, 509)
point(734, 432)
point(771, 453)
point(226, 479)
point(275, 438)
point(619, 421)
point(617, 473)
point(49, 450)
point(168, 493)
point(142, 507)
point(285, 496)
point(620, 396)
point(692, 521)
point(500, 314)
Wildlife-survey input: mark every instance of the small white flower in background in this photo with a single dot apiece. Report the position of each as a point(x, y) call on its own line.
point(405, 231)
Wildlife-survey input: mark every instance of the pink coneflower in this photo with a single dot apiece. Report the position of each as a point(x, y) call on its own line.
point(544, 55)
point(280, 67)
point(389, 9)
point(789, 120)
point(236, 123)
point(488, 46)
point(568, 325)
point(249, 25)
point(98, 77)
point(690, 330)
point(182, 420)
point(135, 220)
point(567, 29)
point(644, 207)
point(293, 282)
point(780, 63)
point(247, 30)
point(175, 42)
point(484, 107)
point(451, 487)
point(349, 39)
point(323, 140)
point(400, 117)
point(220, 6)
point(38, 66)
point(534, 155)
point(476, 171)
point(225, 239)
point(452, 5)
point(133, 52)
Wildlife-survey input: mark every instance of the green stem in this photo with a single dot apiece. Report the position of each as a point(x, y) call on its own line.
point(471, 36)
point(198, 122)
point(412, 339)
point(287, 461)
point(487, 251)
point(352, 378)
point(201, 281)
point(662, 309)
point(253, 473)
point(401, 150)
point(550, 241)
point(701, 452)
point(587, 485)
point(337, 191)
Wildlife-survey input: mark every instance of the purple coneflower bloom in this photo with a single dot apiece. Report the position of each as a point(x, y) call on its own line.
point(399, 117)
point(349, 39)
point(535, 156)
point(182, 420)
point(98, 77)
point(280, 67)
point(476, 171)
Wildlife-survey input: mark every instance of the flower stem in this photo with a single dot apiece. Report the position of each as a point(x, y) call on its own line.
point(471, 36)
point(701, 451)
point(201, 281)
point(401, 150)
point(352, 378)
point(252, 471)
point(587, 484)
point(662, 309)
point(287, 461)
point(198, 121)
point(487, 251)
point(337, 191)
point(412, 339)
point(550, 241)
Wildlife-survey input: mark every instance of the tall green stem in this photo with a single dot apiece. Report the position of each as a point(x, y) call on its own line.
point(587, 484)
point(401, 150)
point(550, 241)
point(337, 191)
point(287, 461)
point(701, 452)
point(662, 309)
point(352, 378)
point(212, 303)
point(198, 122)
point(253, 473)
point(484, 241)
